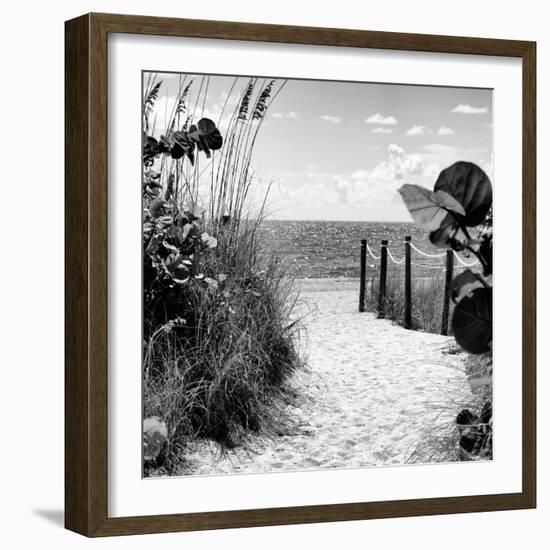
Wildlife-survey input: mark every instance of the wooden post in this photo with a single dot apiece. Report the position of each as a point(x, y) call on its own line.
point(407, 321)
point(447, 295)
point(362, 276)
point(383, 273)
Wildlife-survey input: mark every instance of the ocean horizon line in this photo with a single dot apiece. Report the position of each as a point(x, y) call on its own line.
point(334, 221)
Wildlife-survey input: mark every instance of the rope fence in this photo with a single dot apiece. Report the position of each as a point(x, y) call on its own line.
point(382, 258)
point(422, 253)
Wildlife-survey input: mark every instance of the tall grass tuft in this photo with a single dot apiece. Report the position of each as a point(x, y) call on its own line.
point(220, 335)
point(427, 299)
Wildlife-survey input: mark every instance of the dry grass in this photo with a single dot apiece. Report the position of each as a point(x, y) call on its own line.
point(439, 441)
point(216, 356)
point(427, 299)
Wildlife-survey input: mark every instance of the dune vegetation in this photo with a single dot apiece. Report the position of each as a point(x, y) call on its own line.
point(219, 335)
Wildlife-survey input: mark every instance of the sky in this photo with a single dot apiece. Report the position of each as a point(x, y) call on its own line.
point(340, 150)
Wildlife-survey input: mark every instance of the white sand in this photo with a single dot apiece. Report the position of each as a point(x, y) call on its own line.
point(372, 392)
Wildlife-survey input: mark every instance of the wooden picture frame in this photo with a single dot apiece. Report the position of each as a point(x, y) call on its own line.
point(86, 282)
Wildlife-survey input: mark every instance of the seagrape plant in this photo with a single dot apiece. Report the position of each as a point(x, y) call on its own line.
point(458, 216)
point(173, 240)
point(219, 333)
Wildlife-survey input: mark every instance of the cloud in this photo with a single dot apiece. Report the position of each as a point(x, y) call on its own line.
point(444, 131)
point(379, 119)
point(290, 114)
point(401, 164)
point(359, 194)
point(438, 148)
point(381, 131)
point(469, 110)
point(444, 155)
point(379, 185)
point(418, 131)
point(333, 119)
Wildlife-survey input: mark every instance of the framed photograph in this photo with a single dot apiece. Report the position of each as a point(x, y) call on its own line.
point(300, 275)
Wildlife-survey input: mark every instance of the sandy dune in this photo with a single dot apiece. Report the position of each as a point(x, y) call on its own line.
point(371, 393)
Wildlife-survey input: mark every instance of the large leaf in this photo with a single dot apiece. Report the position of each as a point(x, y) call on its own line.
point(472, 322)
point(464, 284)
point(486, 252)
point(155, 435)
point(469, 185)
point(428, 208)
point(183, 145)
point(206, 136)
point(449, 234)
point(156, 207)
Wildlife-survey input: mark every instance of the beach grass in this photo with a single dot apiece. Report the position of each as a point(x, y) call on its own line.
point(219, 345)
point(427, 299)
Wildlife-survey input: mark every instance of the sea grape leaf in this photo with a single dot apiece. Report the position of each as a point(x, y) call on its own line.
point(486, 252)
point(486, 413)
point(208, 241)
point(195, 210)
point(470, 186)
point(164, 222)
point(206, 136)
point(466, 417)
point(448, 234)
point(183, 145)
point(177, 265)
point(156, 207)
point(429, 209)
point(472, 321)
point(155, 435)
point(464, 284)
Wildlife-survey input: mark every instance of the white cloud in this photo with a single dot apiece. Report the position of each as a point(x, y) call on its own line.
point(469, 110)
point(438, 148)
point(290, 114)
point(380, 119)
point(331, 118)
point(402, 164)
point(379, 186)
point(418, 131)
point(442, 155)
point(366, 193)
point(381, 131)
point(445, 131)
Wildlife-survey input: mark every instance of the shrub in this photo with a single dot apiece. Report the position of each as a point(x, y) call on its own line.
point(458, 215)
point(427, 300)
point(219, 329)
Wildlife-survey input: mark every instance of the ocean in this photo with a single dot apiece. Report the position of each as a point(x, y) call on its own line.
point(331, 249)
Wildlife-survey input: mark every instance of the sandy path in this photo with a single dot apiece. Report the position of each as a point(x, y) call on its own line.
point(373, 389)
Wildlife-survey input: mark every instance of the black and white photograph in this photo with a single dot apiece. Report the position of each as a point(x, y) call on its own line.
point(316, 274)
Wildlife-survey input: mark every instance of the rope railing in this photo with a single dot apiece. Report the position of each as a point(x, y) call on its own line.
point(429, 266)
point(372, 253)
point(406, 261)
point(398, 262)
point(422, 253)
point(426, 253)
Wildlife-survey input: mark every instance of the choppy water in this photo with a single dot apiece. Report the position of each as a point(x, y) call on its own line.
point(320, 249)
